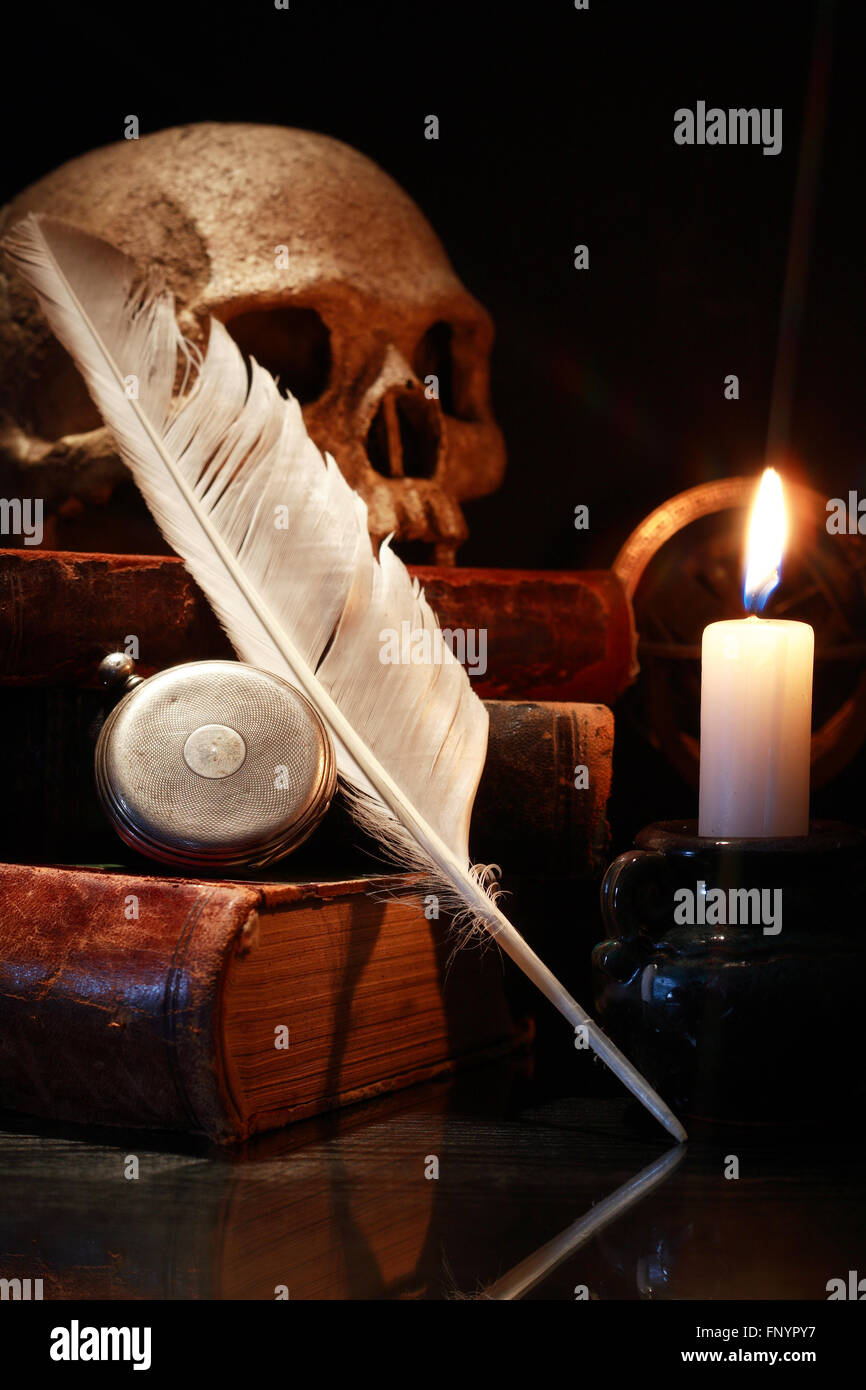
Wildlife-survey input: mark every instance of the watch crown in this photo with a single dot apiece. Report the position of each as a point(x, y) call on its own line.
point(118, 669)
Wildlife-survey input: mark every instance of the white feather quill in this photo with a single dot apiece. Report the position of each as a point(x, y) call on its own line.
point(308, 603)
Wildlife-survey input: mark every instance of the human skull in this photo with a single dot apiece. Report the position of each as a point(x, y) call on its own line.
point(321, 267)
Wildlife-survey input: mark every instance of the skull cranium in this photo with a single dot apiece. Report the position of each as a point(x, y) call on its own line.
point(322, 268)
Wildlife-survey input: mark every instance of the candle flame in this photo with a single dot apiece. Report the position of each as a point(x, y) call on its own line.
point(765, 542)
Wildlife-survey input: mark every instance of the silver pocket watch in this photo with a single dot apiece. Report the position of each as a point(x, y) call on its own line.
point(212, 764)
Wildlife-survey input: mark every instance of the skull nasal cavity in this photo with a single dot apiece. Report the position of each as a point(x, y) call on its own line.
point(291, 343)
point(404, 438)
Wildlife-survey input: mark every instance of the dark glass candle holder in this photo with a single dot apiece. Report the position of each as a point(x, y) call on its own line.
point(750, 1021)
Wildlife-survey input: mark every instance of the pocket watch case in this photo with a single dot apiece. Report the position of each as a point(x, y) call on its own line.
point(213, 764)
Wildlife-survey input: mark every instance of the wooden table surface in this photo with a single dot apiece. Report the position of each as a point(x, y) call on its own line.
point(351, 1206)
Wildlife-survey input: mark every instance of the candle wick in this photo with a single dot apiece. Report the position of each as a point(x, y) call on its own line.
point(756, 598)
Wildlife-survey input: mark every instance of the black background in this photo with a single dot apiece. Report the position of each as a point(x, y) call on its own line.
point(556, 127)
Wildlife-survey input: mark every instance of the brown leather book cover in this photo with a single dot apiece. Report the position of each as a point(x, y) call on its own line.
point(227, 1008)
point(549, 635)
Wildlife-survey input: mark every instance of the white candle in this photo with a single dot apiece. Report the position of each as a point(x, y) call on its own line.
point(756, 701)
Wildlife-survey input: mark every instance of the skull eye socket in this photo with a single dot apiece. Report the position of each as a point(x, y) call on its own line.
point(451, 354)
point(292, 343)
point(434, 357)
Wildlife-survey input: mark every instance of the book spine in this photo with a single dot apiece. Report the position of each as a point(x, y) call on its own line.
point(530, 634)
point(109, 986)
point(541, 807)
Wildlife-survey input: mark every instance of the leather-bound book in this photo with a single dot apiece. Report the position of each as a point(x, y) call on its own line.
point(548, 646)
point(228, 1008)
point(528, 634)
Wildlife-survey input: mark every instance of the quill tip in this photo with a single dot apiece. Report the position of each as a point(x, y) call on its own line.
point(636, 1083)
point(673, 1126)
point(653, 1102)
point(656, 1106)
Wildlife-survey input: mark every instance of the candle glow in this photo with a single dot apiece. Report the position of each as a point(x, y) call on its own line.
point(765, 542)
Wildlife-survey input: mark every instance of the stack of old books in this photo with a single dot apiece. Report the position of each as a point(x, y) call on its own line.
point(132, 996)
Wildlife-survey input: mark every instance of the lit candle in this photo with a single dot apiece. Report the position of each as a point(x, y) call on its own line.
point(756, 699)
